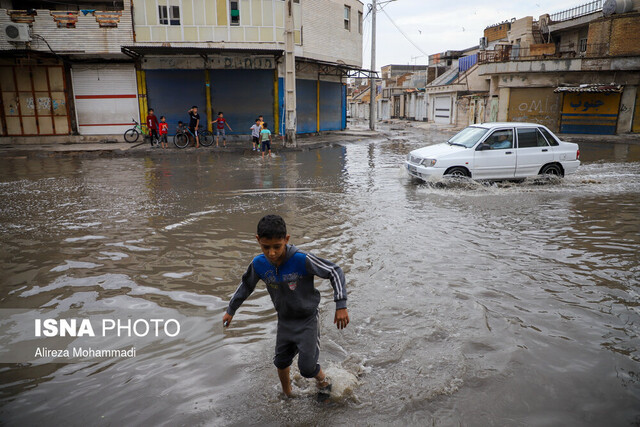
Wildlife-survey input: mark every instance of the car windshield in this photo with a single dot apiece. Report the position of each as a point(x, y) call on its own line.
point(468, 137)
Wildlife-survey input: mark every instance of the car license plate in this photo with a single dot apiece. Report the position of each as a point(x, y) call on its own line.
point(412, 169)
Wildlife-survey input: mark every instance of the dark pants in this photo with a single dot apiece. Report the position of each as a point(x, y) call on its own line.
point(302, 337)
point(153, 134)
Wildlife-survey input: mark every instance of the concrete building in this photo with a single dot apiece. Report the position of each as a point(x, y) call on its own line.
point(458, 96)
point(62, 71)
point(228, 56)
point(575, 71)
point(108, 61)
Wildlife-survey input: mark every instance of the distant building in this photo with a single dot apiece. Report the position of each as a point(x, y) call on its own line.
point(576, 71)
point(108, 61)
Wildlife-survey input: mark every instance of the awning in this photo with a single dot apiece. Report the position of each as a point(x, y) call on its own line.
point(590, 88)
point(181, 48)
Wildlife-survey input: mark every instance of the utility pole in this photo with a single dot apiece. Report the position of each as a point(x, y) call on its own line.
point(290, 78)
point(372, 90)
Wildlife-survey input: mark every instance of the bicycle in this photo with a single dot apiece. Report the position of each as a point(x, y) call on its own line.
point(132, 135)
point(181, 138)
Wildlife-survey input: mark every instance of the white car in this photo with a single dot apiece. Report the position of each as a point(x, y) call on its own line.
point(496, 151)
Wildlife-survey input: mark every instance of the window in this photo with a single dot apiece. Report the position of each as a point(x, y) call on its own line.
point(360, 22)
point(162, 15)
point(530, 137)
point(235, 13)
point(347, 18)
point(500, 139)
point(170, 16)
point(582, 45)
point(552, 141)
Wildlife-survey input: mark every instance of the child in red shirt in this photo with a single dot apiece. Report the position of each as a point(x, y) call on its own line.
point(163, 130)
point(152, 125)
point(220, 123)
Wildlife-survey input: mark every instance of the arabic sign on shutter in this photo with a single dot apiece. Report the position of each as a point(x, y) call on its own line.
point(588, 112)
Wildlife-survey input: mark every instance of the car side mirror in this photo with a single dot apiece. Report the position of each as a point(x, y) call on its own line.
point(483, 147)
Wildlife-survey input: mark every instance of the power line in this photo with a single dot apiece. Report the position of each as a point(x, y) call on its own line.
point(403, 33)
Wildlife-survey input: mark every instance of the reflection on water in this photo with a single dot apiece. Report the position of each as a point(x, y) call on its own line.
point(470, 304)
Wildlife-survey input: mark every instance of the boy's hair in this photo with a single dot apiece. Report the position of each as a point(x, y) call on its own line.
point(180, 123)
point(150, 110)
point(261, 117)
point(265, 125)
point(195, 106)
point(220, 112)
point(257, 120)
point(272, 227)
point(162, 117)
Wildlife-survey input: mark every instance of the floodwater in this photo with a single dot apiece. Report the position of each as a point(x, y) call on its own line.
point(470, 304)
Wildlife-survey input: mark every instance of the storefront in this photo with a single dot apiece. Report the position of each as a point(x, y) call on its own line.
point(590, 110)
point(105, 98)
point(34, 100)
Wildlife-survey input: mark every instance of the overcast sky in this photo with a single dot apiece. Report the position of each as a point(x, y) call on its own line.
point(440, 25)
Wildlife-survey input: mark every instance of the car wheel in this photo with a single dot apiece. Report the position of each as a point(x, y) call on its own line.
point(552, 169)
point(457, 172)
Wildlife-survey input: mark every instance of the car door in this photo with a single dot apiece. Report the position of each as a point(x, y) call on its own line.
point(532, 153)
point(499, 160)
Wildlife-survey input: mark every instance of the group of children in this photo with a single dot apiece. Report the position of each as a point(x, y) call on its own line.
point(261, 135)
point(157, 130)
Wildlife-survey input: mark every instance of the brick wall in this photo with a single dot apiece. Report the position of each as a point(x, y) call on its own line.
point(542, 49)
point(497, 32)
point(625, 35)
point(323, 34)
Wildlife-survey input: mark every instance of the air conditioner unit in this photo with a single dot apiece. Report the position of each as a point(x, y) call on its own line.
point(16, 32)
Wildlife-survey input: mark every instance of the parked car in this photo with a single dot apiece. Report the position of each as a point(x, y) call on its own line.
point(496, 151)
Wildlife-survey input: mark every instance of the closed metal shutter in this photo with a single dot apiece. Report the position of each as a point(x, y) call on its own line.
point(106, 98)
point(535, 105)
point(442, 109)
point(590, 113)
point(306, 104)
point(330, 106)
point(171, 93)
point(243, 95)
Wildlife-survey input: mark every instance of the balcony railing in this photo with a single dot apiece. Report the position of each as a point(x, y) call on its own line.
point(508, 53)
point(576, 12)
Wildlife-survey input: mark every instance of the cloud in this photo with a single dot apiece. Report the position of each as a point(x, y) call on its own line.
point(436, 26)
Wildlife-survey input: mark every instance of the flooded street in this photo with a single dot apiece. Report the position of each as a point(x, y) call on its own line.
point(470, 304)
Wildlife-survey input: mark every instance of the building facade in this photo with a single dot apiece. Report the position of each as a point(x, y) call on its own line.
point(576, 71)
point(168, 55)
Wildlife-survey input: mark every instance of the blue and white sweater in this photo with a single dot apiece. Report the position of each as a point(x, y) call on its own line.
point(290, 285)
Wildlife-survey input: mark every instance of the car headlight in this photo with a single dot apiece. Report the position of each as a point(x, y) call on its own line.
point(428, 162)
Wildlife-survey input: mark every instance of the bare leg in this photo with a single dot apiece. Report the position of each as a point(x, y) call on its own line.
point(197, 142)
point(320, 379)
point(217, 140)
point(285, 380)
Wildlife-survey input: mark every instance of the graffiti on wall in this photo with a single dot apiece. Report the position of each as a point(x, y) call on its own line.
point(535, 105)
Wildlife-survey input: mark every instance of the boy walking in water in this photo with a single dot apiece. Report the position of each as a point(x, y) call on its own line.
point(265, 139)
point(255, 134)
point(288, 274)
